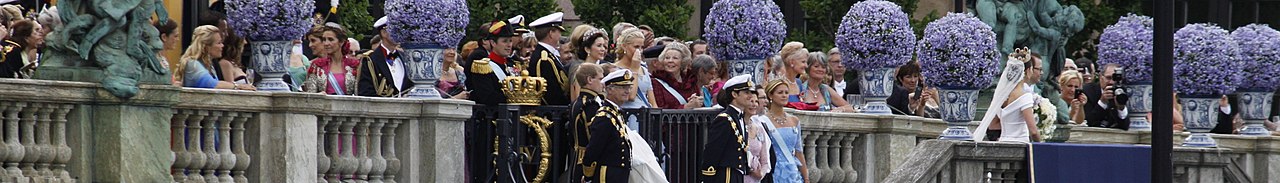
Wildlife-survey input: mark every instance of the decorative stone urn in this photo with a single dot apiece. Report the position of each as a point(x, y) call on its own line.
point(424, 69)
point(877, 84)
point(958, 106)
point(1200, 115)
point(747, 66)
point(1139, 105)
point(1255, 107)
point(271, 60)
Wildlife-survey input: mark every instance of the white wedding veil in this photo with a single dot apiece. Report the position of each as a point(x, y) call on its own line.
point(1013, 74)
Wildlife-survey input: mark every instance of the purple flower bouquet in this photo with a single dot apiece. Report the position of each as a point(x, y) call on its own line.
point(429, 22)
point(875, 34)
point(1260, 52)
point(270, 20)
point(744, 29)
point(959, 51)
point(1128, 44)
point(1206, 61)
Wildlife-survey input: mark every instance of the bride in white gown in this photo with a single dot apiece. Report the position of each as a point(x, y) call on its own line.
point(1016, 117)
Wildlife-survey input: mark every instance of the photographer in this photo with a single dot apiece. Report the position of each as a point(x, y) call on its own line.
point(1069, 84)
point(1106, 106)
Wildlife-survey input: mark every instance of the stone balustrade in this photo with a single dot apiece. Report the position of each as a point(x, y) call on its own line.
point(56, 131)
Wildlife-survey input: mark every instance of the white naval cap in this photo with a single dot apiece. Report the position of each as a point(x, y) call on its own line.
point(552, 20)
point(739, 83)
point(618, 77)
point(381, 22)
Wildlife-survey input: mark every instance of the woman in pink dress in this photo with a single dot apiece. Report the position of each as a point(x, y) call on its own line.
point(332, 73)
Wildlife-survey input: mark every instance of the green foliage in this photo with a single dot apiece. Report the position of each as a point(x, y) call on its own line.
point(822, 18)
point(919, 24)
point(485, 11)
point(1097, 17)
point(666, 17)
point(355, 17)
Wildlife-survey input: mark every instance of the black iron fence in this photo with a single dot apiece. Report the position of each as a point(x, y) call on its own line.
point(504, 146)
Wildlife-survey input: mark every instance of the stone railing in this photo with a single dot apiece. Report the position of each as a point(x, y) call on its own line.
point(967, 161)
point(880, 144)
point(54, 131)
point(847, 147)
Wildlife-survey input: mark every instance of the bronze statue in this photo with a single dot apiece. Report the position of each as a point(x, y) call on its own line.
point(107, 41)
point(1042, 25)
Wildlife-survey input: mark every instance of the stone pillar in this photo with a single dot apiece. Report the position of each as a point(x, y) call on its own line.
point(131, 136)
point(284, 139)
point(433, 147)
point(886, 147)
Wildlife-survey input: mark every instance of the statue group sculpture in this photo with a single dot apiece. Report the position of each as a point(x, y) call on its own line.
point(111, 37)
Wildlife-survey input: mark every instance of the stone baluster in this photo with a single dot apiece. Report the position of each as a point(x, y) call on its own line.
point(62, 152)
point(833, 157)
point(847, 157)
point(322, 157)
point(362, 149)
point(29, 140)
point(237, 147)
point(823, 162)
point(810, 152)
point(43, 144)
point(389, 150)
point(375, 149)
point(209, 139)
point(9, 114)
point(15, 149)
point(335, 146)
point(224, 147)
point(349, 162)
point(196, 155)
point(178, 144)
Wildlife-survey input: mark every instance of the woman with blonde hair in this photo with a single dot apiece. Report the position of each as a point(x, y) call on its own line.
point(630, 44)
point(794, 63)
point(1068, 84)
point(197, 61)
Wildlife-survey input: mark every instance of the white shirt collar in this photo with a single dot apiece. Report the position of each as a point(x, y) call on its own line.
point(550, 48)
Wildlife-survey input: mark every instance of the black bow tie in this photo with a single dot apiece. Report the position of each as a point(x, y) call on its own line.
point(393, 55)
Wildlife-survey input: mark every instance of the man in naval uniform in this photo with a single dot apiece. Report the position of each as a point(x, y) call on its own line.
point(485, 75)
point(545, 61)
point(584, 109)
point(383, 73)
point(608, 154)
point(724, 158)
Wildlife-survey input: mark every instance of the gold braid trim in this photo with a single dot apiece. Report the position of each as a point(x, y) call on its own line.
point(539, 125)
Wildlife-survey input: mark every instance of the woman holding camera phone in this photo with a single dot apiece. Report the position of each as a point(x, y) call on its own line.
point(1069, 84)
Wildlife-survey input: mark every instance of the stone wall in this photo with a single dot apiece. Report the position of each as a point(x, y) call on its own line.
point(80, 133)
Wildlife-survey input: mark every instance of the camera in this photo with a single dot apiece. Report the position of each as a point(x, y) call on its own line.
point(1121, 96)
point(1079, 92)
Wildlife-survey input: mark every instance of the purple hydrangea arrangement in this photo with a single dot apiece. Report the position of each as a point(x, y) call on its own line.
point(959, 51)
point(270, 20)
point(1128, 43)
point(431, 22)
point(1206, 61)
point(875, 34)
point(744, 29)
point(1260, 52)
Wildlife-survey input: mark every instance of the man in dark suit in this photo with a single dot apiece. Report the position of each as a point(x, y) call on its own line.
point(607, 157)
point(724, 158)
point(1103, 109)
point(546, 59)
point(488, 67)
point(383, 73)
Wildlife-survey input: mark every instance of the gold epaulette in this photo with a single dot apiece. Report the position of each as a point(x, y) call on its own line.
point(481, 66)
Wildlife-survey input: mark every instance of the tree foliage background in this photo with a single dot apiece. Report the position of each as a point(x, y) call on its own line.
point(484, 11)
point(1097, 17)
point(355, 18)
point(666, 17)
point(822, 19)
